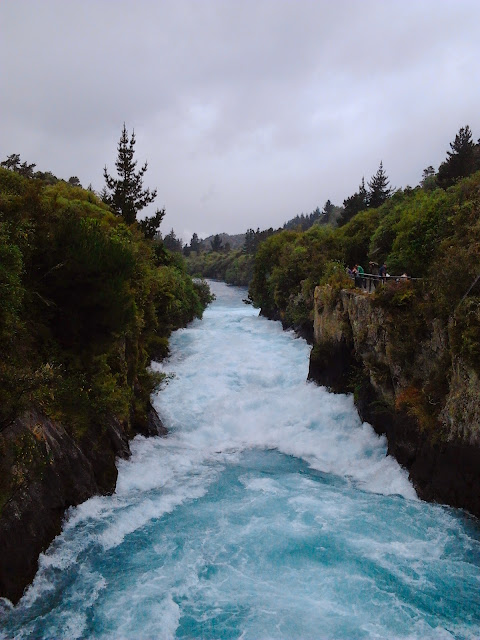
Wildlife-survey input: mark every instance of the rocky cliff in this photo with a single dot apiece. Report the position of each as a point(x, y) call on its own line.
point(409, 383)
point(43, 472)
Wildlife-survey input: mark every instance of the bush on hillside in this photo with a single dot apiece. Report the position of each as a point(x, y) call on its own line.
point(86, 300)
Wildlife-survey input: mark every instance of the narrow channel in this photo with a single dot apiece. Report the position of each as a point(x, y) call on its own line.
point(269, 511)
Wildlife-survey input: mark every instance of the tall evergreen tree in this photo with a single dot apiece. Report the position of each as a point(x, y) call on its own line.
point(125, 194)
point(354, 204)
point(12, 162)
point(216, 243)
point(379, 190)
point(460, 161)
point(249, 245)
point(328, 209)
point(172, 243)
point(195, 244)
point(429, 179)
point(26, 169)
point(428, 172)
point(23, 168)
point(150, 225)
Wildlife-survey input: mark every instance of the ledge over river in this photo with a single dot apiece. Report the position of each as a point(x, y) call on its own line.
point(409, 384)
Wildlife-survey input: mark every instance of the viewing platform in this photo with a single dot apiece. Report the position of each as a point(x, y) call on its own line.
point(369, 281)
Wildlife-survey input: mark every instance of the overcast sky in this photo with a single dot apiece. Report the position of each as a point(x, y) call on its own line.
point(249, 112)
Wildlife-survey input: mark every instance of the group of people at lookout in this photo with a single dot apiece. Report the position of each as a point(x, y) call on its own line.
point(357, 273)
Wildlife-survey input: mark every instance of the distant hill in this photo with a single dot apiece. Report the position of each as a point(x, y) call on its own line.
point(235, 241)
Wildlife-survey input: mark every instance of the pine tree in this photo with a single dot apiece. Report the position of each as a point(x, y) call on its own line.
point(460, 162)
point(249, 245)
point(172, 243)
point(26, 169)
point(125, 194)
point(12, 162)
point(429, 179)
point(195, 244)
point(379, 190)
point(23, 168)
point(151, 224)
point(328, 209)
point(354, 204)
point(216, 243)
point(428, 173)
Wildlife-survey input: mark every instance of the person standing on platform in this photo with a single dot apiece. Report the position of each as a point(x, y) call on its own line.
point(382, 272)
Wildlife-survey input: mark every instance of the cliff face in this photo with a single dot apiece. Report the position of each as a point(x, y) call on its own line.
point(408, 384)
point(43, 472)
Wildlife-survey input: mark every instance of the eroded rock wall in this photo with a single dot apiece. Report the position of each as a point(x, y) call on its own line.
point(409, 385)
point(44, 470)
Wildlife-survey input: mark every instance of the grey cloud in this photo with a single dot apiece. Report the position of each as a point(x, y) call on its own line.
point(278, 104)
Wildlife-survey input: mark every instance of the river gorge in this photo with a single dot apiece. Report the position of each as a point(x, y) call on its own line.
point(269, 511)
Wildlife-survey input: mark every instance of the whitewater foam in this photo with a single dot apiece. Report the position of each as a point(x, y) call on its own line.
point(269, 511)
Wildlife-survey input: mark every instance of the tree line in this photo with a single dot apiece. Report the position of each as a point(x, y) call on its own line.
point(461, 160)
point(89, 295)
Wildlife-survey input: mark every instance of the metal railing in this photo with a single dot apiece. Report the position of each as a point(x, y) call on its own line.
point(369, 281)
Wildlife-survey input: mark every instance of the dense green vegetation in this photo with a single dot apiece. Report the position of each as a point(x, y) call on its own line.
point(216, 259)
point(430, 234)
point(233, 267)
point(87, 299)
point(232, 264)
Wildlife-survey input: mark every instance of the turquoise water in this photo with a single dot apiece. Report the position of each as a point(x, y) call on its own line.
point(270, 511)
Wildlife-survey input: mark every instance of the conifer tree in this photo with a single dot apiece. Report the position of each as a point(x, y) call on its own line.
point(328, 209)
point(125, 194)
point(460, 161)
point(23, 168)
point(12, 162)
point(195, 244)
point(354, 204)
point(429, 179)
point(249, 244)
point(172, 243)
point(151, 224)
point(379, 190)
point(216, 243)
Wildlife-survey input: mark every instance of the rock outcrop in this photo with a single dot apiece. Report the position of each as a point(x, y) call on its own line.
point(409, 384)
point(44, 470)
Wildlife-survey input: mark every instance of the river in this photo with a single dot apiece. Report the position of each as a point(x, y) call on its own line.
point(269, 511)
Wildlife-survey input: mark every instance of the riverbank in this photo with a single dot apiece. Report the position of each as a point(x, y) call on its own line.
point(52, 471)
point(269, 511)
point(87, 302)
point(409, 384)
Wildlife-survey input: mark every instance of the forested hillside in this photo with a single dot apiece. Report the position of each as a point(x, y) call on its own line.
point(433, 235)
point(429, 232)
point(410, 351)
point(233, 267)
point(86, 302)
point(221, 261)
point(79, 287)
